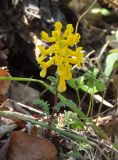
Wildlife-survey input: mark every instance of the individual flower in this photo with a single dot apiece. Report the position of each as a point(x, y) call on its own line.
point(60, 53)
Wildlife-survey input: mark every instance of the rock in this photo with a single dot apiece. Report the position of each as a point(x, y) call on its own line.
point(23, 93)
point(23, 146)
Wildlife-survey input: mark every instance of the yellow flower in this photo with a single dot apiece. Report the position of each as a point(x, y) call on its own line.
point(62, 84)
point(58, 26)
point(60, 53)
point(69, 30)
point(56, 35)
point(44, 36)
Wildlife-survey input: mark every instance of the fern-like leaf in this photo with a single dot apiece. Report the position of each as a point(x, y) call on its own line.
point(43, 104)
point(59, 106)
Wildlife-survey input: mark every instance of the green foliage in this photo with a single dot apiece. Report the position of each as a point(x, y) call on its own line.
point(111, 62)
point(89, 82)
point(102, 11)
point(93, 82)
point(116, 146)
point(54, 81)
point(60, 105)
point(43, 104)
point(71, 119)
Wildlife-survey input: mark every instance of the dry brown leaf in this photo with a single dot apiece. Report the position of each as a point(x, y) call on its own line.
point(115, 83)
point(4, 85)
point(111, 128)
point(23, 93)
point(23, 146)
point(109, 124)
point(101, 121)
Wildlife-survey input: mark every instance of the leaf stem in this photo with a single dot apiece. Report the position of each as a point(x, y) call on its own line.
point(78, 97)
point(53, 109)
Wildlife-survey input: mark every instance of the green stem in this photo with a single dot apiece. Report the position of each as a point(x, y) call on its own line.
point(92, 104)
point(78, 97)
point(89, 108)
point(53, 109)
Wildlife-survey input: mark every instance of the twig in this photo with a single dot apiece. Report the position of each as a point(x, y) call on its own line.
point(23, 92)
point(97, 141)
point(79, 19)
point(43, 92)
point(24, 106)
point(102, 100)
point(17, 115)
point(89, 54)
point(95, 145)
point(102, 50)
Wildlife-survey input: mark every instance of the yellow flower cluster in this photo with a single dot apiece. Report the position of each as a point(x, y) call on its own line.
point(60, 53)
